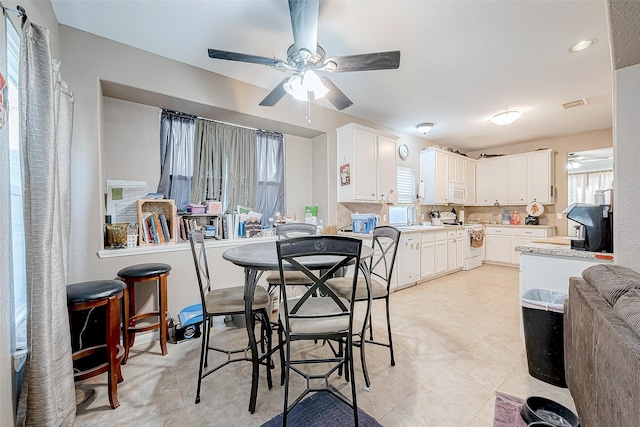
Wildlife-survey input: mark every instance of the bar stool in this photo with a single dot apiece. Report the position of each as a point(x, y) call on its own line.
point(86, 296)
point(144, 273)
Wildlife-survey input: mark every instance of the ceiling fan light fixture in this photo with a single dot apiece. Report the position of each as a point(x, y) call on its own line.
point(299, 87)
point(424, 128)
point(506, 117)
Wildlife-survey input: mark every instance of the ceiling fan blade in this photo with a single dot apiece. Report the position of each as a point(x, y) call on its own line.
point(252, 59)
point(275, 95)
point(304, 22)
point(364, 62)
point(335, 95)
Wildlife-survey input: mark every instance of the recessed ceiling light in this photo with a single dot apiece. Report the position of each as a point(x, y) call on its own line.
point(424, 127)
point(582, 45)
point(506, 117)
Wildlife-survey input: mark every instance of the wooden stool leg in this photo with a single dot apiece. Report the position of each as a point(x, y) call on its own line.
point(129, 336)
point(113, 339)
point(125, 324)
point(162, 296)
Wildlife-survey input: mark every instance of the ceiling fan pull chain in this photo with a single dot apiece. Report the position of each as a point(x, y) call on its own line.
point(308, 115)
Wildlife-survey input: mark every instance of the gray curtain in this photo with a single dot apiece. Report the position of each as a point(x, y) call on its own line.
point(270, 192)
point(46, 110)
point(176, 156)
point(242, 169)
point(209, 166)
point(225, 165)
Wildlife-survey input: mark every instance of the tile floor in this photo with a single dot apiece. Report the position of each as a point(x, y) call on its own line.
point(456, 342)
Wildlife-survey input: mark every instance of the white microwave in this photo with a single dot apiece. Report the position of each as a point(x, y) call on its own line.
point(457, 193)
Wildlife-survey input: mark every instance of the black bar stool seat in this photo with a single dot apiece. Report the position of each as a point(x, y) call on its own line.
point(88, 295)
point(143, 273)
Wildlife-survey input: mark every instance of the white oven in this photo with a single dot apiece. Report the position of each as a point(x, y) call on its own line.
point(473, 253)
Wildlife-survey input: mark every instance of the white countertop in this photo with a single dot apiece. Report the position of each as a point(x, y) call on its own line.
point(561, 251)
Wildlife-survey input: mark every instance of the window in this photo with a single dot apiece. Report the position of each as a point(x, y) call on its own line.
point(207, 160)
point(17, 218)
point(406, 184)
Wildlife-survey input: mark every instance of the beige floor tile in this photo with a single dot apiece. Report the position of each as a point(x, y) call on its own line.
point(394, 419)
point(488, 374)
point(456, 387)
point(477, 422)
point(426, 408)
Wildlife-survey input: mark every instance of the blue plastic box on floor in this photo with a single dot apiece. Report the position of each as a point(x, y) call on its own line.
point(188, 326)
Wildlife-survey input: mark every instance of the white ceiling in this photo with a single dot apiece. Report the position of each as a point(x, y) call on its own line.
point(461, 61)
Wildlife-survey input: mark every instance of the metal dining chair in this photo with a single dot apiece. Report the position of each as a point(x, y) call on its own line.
point(311, 317)
point(380, 268)
point(222, 302)
point(286, 231)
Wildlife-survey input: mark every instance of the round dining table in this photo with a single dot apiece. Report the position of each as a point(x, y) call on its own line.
point(259, 257)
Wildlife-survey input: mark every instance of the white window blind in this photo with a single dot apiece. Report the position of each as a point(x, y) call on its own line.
point(406, 184)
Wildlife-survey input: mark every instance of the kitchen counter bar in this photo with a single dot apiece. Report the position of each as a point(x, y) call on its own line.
point(560, 251)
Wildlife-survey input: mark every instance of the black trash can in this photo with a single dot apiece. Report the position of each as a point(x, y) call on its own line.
point(542, 321)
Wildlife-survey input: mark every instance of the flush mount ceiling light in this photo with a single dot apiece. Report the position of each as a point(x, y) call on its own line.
point(582, 45)
point(506, 117)
point(424, 128)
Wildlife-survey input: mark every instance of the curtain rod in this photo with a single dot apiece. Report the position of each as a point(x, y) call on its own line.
point(19, 10)
point(172, 112)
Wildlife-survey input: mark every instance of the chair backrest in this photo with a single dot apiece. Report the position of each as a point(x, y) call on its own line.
point(295, 229)
point(199, 252)
point(385, 246)
point(319, 258)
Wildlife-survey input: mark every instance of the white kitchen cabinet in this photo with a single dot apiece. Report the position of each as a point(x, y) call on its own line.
point(455, 169)
point(491, 181)
point(434, 174)
point(441, 250)
point(470, 181)
point(500, 242)
point(540, 177)
point(483, 183)
point(371, 159)
point(454, 250)
point(439, 169)
point(427, 256)
point(517, 181)
point(408, 259)
point(498, 247)
point(459, 249)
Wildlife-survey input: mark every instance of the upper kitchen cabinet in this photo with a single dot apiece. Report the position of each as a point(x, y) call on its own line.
point(367, 164)
point(541, 177)
point(446, 177)
point(515, 179)
point(491, 181)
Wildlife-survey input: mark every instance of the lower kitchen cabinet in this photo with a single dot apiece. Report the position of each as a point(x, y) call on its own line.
point(441, 255)
point(427, 256)
point(459, 249)
point(500, 242)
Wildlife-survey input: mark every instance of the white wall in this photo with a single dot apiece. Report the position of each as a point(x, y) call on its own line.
point(299, 165)
point(131, 135)
point(626, 144)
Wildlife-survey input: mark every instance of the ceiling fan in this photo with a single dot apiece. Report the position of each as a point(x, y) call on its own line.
point(305, 58)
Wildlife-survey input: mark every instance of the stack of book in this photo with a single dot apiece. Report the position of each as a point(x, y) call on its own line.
point(154, 228)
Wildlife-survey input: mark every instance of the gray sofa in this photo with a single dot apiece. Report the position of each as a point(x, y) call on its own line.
point(602, 346)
